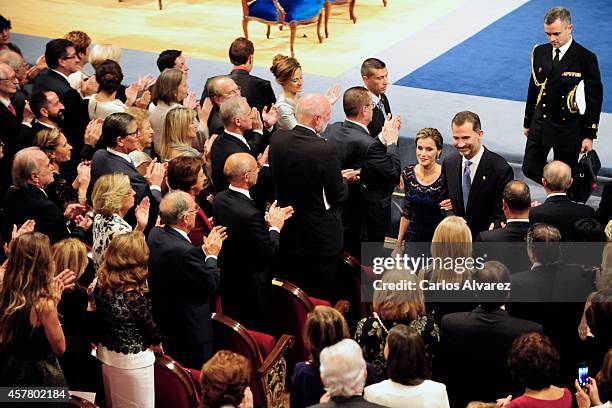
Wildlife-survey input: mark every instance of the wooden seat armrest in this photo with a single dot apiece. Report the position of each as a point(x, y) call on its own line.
point(280, 349)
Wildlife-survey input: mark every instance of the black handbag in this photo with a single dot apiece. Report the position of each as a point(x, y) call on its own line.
point(584, 175)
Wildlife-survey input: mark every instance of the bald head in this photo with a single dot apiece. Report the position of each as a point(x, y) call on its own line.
point(222, 87)
point(173, 208)
point(557, 176)
point(313, 110)
point(237, 166)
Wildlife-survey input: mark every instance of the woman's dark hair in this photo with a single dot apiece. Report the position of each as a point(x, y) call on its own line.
point(4, 23)
point(183, 172)
point(407, 359)
point(599, 317)
point(533, 361)
point(324, 327)
point(109, 76)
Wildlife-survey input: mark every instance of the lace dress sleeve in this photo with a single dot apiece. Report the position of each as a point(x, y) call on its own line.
point(140, 308)
point(406, 180)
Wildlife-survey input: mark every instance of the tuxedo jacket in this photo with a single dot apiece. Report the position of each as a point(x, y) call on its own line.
point(247, 255)
point(303, 166)
point(104, 162)
point(257, 91)
point(10, 133)
point(475, 344)
point(550, 121)
point(507, 245)
point(604, 212)
point(356, 401)
point(562, 213)
point(378, 117)
point(76, 115)
point(30, 202)
point(515, 231)
point(181, 282)
point(485, 201)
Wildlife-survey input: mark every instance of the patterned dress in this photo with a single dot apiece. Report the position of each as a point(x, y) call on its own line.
point(104, 229)
point(371, 334)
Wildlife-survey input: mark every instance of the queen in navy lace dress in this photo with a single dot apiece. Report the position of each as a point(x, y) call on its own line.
point(423, 189)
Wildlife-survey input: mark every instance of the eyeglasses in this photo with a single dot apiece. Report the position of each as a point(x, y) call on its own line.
point(195, 209)
point(134, 133)
point(236, 92)
point(12, 79)
point(70, 57)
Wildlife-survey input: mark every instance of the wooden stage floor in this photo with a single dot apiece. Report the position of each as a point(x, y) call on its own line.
point(204, 29)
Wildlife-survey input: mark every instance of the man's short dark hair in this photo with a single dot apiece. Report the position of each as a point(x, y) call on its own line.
point(55, 51)
point(354, 99)
point(4, 23)
point(543, 240)
point(240, 51)
point(166, 59)
point(368, 66)
point(407, 363)
point(533, 361)
point(517, 195)
point(38, 101)
point(466, 116)
point(115, 125)
point(589, 230)
point(492, 272)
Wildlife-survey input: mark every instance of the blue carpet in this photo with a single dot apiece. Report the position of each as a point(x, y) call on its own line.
point(495, 61)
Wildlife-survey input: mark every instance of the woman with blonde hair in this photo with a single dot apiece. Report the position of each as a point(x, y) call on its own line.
point(169, 92)
point(55, 145)
point(393, 307)
point(180, 131)
point(288, 73)
point(102, 52)
point(448, 269)
point(129, 336)
point(31, 336)
point(112, 197)
point(325, 326)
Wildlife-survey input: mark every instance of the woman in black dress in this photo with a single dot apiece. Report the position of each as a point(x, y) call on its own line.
point(31, 336)
point(424, 190)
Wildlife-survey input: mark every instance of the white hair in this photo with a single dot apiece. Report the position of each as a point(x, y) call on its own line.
point(343, 369)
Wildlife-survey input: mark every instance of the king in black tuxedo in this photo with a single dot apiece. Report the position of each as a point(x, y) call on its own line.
point(552, 118)
point(307, 176)
point(489, 174)
point(182, 279)
point(251, 248)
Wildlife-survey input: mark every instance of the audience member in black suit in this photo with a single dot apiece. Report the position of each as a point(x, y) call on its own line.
point(257, 91)
point(11, 115)
point(516, 203)
point(183, 279)
point(172, 59)
point(252, 245)
point(604, 212)
point(18, 64)
point(475, 344)
point(219, 89)
point(475, 190)
point(26, 200)
point(374, 74)
point(343, 374)
point(379, 162)
point(62, 60)
point(307, 176)
point(48, 113)
point(588, 244)
point(120, 134)
point(552, 293)
point(557, 209)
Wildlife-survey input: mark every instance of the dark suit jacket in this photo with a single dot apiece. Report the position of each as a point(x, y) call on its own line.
point(30, 202)
point(303, 165)
point(604, 212)
point(10, 129)
point(380, 171)
point(475, 345)
point(378, 117)
point(246, 257)
point(562, 213)
point(104, 162)
point(506, 245)
point(515, 231)
point(182, 283)
point(485, 200)
point(257, 91)
point(76, 116)
point(550, 122)
point(356, 401)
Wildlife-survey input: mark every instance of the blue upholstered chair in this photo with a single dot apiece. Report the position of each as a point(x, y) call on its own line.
point(283, 12)
point(329, 3)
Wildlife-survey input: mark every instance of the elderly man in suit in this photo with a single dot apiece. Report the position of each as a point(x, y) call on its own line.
point(475, 344)
point(183, 279)
point(62, 60)
point(120, 134)
point(375, 77)
point(474, 176)
point(378, 159)
point(258, 91)
point(27, 200)
point(11, 115)
point(252, 246)
point(308, 177)
point(558, 209)
point(552, 117)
